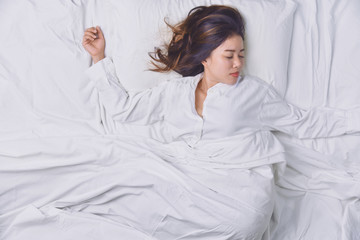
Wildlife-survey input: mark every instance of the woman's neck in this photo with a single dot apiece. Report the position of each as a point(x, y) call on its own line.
point(205, 84)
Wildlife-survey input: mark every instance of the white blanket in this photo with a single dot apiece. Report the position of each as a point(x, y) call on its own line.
point(127, 183)
point(61, 176)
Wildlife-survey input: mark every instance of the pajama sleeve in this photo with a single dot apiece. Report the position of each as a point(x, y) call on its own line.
point(277, 114)
point(143, 108)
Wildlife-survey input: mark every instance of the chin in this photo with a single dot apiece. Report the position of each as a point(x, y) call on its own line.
point(231, 81)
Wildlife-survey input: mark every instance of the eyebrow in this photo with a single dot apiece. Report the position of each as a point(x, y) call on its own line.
point(231, 50)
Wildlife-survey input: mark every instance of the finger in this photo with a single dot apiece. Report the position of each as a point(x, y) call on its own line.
point(91, 29)
point(90, 34)
point(85, 42)
point(88, 39)
point(100, 33)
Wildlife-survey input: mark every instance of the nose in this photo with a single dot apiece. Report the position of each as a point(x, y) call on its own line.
point(237, 63)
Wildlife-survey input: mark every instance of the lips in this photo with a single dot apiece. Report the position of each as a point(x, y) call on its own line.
point(235, 74)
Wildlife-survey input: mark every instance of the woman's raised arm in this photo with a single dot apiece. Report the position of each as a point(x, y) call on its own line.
point(117, 104)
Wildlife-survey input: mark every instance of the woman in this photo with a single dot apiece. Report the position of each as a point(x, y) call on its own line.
point(213, 126)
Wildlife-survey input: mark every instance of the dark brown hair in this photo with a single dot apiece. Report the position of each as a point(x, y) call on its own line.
point(193, 40)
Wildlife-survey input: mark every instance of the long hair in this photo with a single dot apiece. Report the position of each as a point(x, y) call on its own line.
point(193, 40)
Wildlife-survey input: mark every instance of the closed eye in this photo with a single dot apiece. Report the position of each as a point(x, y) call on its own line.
point(230, 57)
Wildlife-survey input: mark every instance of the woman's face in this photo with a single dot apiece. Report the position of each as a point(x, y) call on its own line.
point(225, 62)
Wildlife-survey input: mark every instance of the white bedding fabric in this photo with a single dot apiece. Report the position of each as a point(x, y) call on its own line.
point(133, 185)
point(62, 176)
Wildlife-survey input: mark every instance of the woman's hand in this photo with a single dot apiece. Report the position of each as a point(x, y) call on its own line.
point(94, 43)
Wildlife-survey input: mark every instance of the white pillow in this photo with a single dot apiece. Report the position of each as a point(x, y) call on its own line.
point(134, 28)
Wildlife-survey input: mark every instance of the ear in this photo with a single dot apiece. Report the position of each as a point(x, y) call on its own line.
point(204, 63)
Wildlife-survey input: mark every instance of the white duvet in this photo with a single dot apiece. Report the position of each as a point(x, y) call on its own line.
point(63, 177)
point(122, 183)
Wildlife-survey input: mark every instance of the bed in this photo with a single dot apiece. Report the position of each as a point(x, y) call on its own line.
point(58, 163)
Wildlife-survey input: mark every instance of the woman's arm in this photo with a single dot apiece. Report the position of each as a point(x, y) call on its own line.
point(277, 114)
point(117, 105)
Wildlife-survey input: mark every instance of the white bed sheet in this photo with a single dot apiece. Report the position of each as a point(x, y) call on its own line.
point(319, 192)
point(51, 135)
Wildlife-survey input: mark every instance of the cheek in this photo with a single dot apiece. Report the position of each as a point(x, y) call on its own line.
point(242, 62)
point(227, 64)
point(224, 63)
point(219, 66)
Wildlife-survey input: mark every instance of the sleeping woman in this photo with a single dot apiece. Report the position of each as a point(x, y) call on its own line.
point(211, 131)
